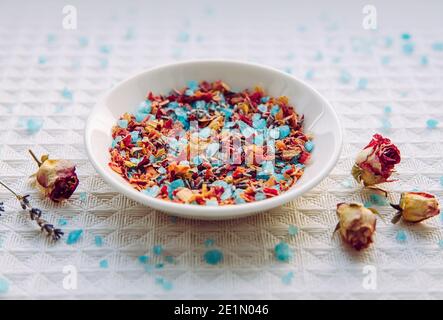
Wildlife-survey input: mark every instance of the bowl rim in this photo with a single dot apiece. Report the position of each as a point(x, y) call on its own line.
point(211, 212)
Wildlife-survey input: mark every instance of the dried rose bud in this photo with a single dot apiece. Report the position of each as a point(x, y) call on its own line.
point(416, 207)
point(375, 163)
point(56, 178)
point(356, 224)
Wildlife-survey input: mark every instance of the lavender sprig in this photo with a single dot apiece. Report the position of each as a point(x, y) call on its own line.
point(35, 215)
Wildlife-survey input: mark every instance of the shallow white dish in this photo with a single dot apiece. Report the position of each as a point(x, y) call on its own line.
point(320, 120)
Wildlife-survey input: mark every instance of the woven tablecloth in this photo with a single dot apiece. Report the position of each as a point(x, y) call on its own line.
point(388, 80)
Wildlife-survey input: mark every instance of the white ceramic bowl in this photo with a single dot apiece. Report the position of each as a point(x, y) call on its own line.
point(320, 119)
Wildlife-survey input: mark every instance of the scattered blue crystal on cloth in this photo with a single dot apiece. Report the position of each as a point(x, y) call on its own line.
point(33, 125)
point(157, 249)
point(431, 123)
point(401, 236)
point(104, 264)
point(4, 286)
point(213, 257)
point(287, 278)
point(98, 240)
point(292, 230)
point(74, 236)
point(282, 252)
point(67, 94)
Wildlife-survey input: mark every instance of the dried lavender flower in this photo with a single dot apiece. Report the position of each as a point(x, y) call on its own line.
point(35, 214)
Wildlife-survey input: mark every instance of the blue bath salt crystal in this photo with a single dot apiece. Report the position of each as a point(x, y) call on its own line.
point(4, 286)
point(259, 196)
point(431, 123)
point(262, 108)
point(42, 59)
point(74, 236)
point(406, 36)
point(318, 56)
point(387, 109)
point(275, 109)
point(284, 131)
point(282, 252)
point(51, 38)
point(197, 160)
point(424, 61)
point(67, 94)
point(437, 46)
point(200, 104)
point(209, 242)
point(173, 105)
point(212, 149)
point(309, 146)
point(98, 240)
point(183, 36)
point(62, 222)
point(33, 125)
point(212, 203)
point(309, 74)
point(122, 123)
point(259, 139)
point(265, 99)
point(82, 196)
point(292, 230)
point(268, 167)
point(378, 200)
point(345, 77)
point(104, 264)
point(386, 124)
point(145, 107)
point(192, 84)
point(279, 177)
point(256, 116)
point(204, 133)
point(152, 191)
point(83, 42)
point(408, 48)
point(287, 278)
point(213, 257)
point(167, 285)
point(189, 92)
point(388, 42)
point(134, 137)
point(362, 83)
point(246, 130)
point(259, 124)
point(385, 60)
point(157, 249)
point(159, 280)
point(143, 259)
point(401, 236)
point(105, 48)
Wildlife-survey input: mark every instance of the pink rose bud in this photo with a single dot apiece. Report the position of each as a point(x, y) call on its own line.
point(56, 178)
point(356, 224)
point(375, 163)
point(416, 207)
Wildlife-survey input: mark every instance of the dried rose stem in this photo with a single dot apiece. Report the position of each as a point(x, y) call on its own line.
point(12, 191)
point(35, 157)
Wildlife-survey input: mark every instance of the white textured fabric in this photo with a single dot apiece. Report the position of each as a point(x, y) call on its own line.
point(360, 71)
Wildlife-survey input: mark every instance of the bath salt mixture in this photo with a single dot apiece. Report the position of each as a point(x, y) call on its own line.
point(206, 144)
